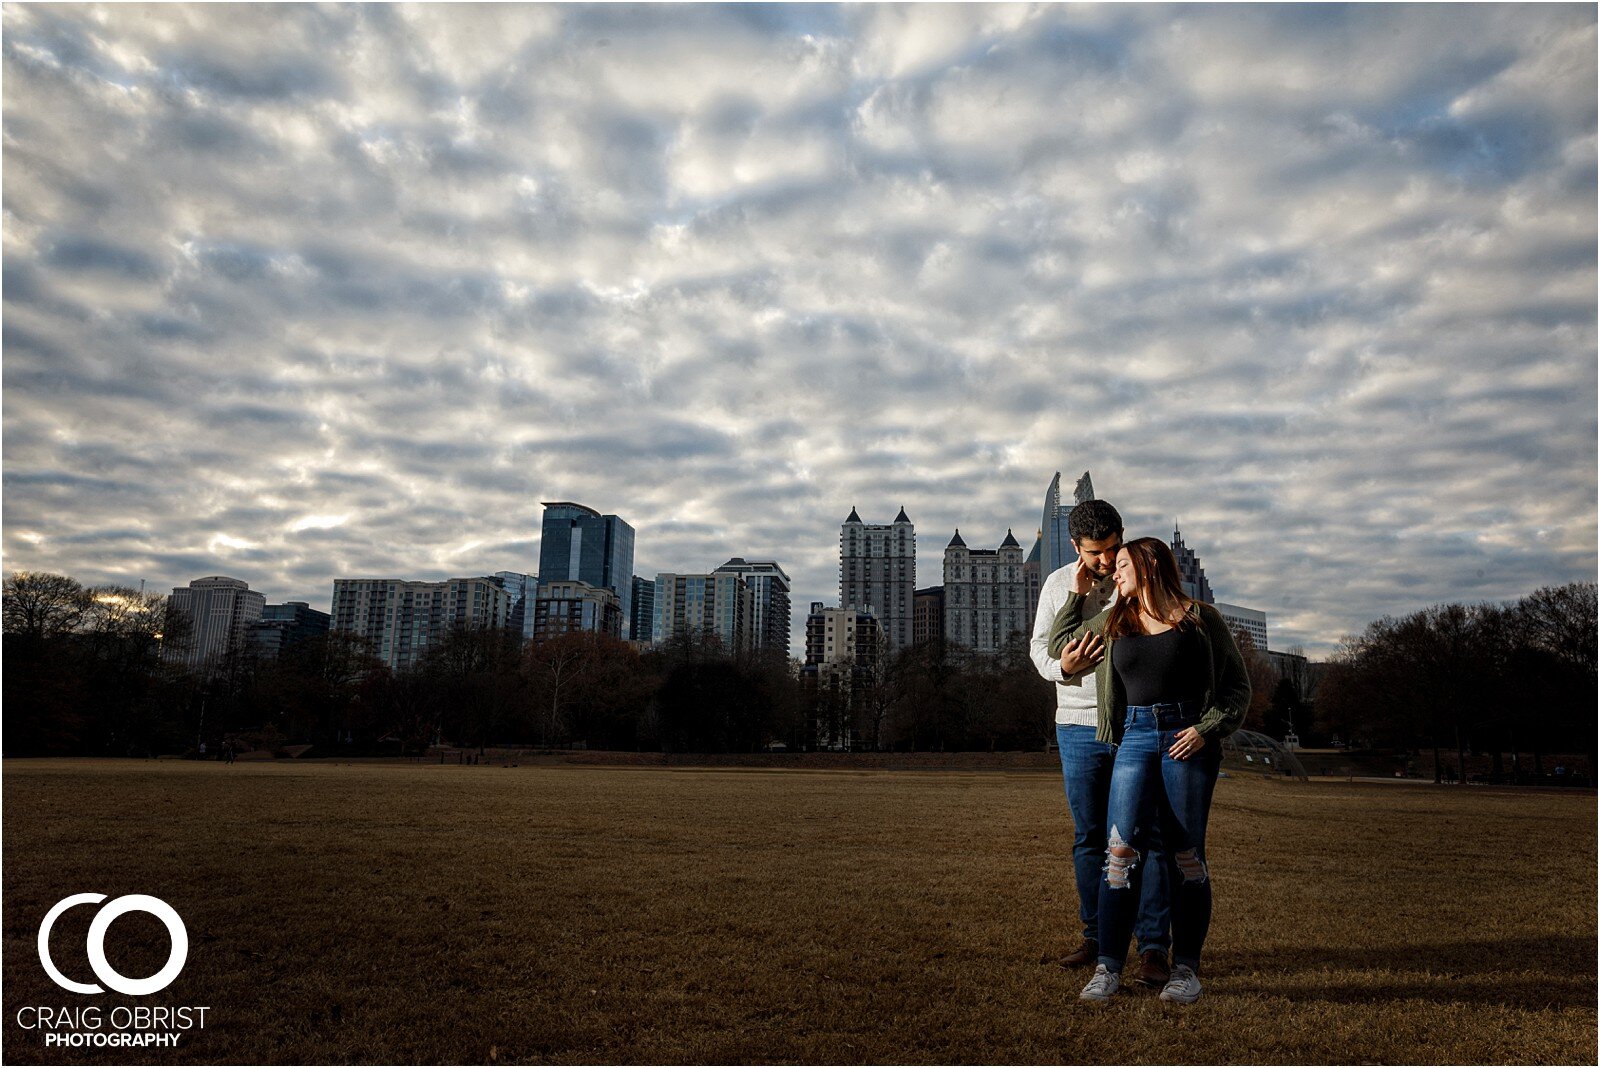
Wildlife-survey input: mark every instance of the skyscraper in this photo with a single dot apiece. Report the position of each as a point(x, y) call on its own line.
point(219, 609)
point(718, 604)
point(283, 625)
point(1056, 550)
point(523, 590)
point(878, 573)
point(1190, 571)
point(985, 594)
point(399, 618)
point(579, 543)
point(1252, 622)
point(769, 597)
point(642, 627)
point(927, 614)
point(1033, 575)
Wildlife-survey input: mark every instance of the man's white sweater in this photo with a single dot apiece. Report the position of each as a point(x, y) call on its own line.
point(1075, 700)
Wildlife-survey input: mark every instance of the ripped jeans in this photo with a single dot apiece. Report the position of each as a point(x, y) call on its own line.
point(1151, 789)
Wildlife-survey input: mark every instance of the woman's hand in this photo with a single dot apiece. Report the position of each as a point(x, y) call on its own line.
point(1188, 742)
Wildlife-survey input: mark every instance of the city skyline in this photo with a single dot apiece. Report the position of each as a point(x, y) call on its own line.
point(300, 294)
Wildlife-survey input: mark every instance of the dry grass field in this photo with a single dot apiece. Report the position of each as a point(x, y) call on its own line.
point(410, 913)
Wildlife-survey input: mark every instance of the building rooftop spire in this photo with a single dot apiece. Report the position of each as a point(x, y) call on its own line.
point(956, 540)
point(1011, 540)
point(902, 517)
point(853, 517)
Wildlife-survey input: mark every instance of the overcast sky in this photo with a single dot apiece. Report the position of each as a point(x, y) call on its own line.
point(297, 293)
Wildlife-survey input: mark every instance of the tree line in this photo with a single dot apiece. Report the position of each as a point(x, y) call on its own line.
point(1472, 680)
point(91, 671)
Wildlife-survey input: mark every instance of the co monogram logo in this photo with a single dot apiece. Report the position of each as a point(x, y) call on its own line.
point(97, 944)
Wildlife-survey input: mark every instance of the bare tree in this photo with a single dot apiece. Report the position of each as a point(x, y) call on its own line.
point(38, 605)
point(1562, 620)
point(554, 666)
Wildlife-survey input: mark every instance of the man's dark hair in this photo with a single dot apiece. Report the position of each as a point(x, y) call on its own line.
point(1095, 520)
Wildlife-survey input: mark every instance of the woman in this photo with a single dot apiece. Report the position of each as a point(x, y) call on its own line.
point(1172, 685)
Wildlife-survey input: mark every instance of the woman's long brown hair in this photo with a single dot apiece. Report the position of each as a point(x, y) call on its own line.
point(1160, 589)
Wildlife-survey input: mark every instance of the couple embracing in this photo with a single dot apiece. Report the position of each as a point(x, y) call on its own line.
point(1149, 684)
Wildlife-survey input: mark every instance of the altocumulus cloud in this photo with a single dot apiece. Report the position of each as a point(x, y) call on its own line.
point(296, 293)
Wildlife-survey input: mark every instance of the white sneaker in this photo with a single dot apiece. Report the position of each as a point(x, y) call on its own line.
point(1102, 985)
point(1183, 987)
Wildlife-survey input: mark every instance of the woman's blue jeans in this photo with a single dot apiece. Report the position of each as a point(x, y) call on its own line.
point(1086, 771)
point(1149, 791)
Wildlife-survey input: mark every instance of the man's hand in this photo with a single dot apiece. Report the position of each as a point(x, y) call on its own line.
point(1082, 653)
point(1082, 578)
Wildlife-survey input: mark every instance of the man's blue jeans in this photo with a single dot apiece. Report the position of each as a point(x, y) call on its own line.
point(1149, 789)
point(1086, 769)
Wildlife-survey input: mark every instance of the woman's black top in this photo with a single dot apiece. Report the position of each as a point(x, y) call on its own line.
point(1161, 668)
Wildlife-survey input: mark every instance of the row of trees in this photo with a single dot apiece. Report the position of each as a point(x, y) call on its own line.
point(1472, 679)
point(91, 671)
point(95, 671)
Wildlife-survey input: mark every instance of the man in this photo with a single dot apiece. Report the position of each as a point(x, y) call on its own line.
point(1095, 528)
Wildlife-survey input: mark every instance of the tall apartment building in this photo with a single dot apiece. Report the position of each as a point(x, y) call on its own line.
point(399, 618)
point(842, 636)
point(1248, 620)
point(219, 609)
point(1056, 550)
point(283, 625)
point(1190, 571)
point(719, 604)
point(844, 651)
point(571, 605)
point(524, 589)
point(577, 542)
point(769, 598)
point(878, 573)
point(642, 626)
point(985, 594)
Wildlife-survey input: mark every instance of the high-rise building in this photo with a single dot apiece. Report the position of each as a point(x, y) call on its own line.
point(878, 573)
point(1248, 620)
point(717, 604)
point(642, 626)
point(1190, 571)
point(1057, 550)
point(842, 636)
point(769, 598)
point(577, 542)
point(927, 615)
point(524, 589)
point(569, 605)
point(399, 617)
point(844, 652)
point(219, 609)
point(985, 594)
point(1033, 574)
point(283, 625)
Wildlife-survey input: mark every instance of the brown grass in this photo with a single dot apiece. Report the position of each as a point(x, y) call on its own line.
point(576, 914)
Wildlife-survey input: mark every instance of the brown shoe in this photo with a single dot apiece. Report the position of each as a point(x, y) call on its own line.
point(1084, 956)
point(1153, 970)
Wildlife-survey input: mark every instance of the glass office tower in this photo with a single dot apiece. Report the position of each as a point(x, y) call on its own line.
point(1056, 540)
point(579, 543)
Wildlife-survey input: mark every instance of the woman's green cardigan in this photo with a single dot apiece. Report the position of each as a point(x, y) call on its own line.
point(1227, 692)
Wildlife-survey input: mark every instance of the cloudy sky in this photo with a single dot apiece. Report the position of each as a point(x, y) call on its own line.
point(298, 293)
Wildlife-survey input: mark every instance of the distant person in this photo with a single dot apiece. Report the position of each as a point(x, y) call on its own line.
point(1172, 686)
point(1095, 528)
point(227, 752)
